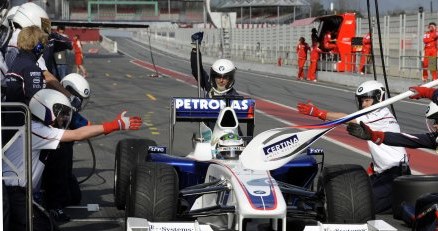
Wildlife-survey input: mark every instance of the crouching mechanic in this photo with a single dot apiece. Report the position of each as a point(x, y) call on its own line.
point(51, 112)
point(59, 184)
point(426, 140)
point(387, 162)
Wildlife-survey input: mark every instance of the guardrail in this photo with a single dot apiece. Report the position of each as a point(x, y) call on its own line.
point(17, 109)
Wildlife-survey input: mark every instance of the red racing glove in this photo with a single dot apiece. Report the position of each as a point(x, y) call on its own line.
point(312, 110)
point(422, 92)
point(122, 123)
point(364, 132)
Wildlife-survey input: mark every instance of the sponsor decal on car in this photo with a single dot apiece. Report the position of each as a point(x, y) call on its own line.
point(156, 149)
point(281, 147)
point(207, 104)
point(210, 108)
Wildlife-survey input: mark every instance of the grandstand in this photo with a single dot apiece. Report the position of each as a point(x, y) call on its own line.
point(257, 12)
point(186, 11)
point(266, 11)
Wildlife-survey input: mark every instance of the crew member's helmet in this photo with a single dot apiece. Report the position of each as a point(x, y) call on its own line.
point(4, 7)
point(29, 14)
point(370, 89)
point(222, 68)
point(77, 85)
point(6, 21)
point(51, 107)
point(229, 146)
point(432, 117)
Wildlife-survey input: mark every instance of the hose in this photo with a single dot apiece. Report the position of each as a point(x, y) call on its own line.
point(93, 169)
point(152, 56)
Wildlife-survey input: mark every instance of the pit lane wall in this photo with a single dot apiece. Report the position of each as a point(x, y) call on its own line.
point(183, 48)
point(402, 43)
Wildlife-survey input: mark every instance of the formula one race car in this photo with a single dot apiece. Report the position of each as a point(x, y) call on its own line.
point(210, 184)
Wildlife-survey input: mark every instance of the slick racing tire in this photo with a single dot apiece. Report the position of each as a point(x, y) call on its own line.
point(129, 152)
point(407, 189)
point(348, 194)
point(153, 192)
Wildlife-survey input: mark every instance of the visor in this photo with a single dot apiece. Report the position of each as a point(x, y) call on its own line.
point(84, 102)
point(63, 115)
point(228, 75)
point(430, 123)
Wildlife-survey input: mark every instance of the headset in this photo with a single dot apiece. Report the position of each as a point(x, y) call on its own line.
point(38, 49)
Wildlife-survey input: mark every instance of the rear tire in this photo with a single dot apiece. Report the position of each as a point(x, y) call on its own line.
point(348, 194)
point(129, 153)
point(407, 189)
point(153, 192)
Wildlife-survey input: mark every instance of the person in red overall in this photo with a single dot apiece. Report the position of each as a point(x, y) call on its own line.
point(366, 50)
point(314, 57)
point(430, 51)
point(302, 49)
point(329, 43)
point(79, 56)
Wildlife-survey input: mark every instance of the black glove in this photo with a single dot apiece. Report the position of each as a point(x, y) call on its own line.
point(364, 132)
point(358, 131)
point(197, 37)
point(76, 102)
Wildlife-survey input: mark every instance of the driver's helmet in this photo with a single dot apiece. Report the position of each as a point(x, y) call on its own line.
point(229, 146)
point(78, 86)
point(370, 89)
point(222, 68)
point(432, 117)
point(52, 108)
point(30, 14)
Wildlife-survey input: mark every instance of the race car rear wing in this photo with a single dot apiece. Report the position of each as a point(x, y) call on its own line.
point(207, 110)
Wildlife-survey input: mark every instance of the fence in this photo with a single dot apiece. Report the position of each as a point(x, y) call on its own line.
point(402, 42)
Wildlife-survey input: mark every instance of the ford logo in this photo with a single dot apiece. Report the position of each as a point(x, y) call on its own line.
point(258, 192)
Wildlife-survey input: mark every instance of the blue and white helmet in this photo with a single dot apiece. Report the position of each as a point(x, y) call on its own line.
point(222, 68)
point(51, 107)
point(5, 17)
point(30, 14)
point(370, 89)
point(77, 85)
point(432, 117)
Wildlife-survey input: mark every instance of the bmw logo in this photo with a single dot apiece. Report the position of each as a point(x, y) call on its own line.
point(86, 91)
point(360, 89)
point(221, 68)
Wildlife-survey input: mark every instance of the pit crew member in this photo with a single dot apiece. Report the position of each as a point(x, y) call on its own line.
point(430, 40)
point(426, 140)
point(387, 162)
point(60, 185)
point(221, 79)
point(30, 14)
point(302, 48)
point(52, 113)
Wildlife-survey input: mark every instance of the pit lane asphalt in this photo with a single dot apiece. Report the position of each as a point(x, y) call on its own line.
point(117, 84)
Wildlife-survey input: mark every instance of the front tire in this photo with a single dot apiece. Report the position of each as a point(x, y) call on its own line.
point(153, 192)
point(129, 153)
point(348, 194)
